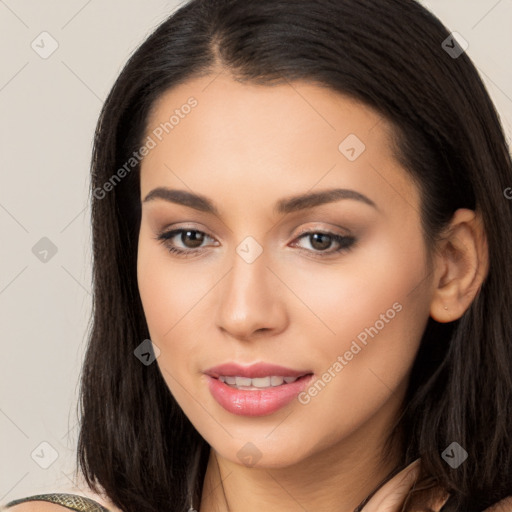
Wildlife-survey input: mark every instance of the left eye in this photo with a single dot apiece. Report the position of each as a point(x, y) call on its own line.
point(192, 240)
point(320, 241)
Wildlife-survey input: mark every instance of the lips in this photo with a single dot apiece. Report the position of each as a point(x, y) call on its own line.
point(256, 390)
point(254, 371)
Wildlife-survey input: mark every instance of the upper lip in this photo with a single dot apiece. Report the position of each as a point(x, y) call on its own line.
point(254, 370)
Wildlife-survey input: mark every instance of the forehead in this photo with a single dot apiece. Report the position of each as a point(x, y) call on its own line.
point(268, 137)
point(303, 110)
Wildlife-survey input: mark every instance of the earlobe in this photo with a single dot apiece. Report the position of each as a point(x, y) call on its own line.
point(461, 265)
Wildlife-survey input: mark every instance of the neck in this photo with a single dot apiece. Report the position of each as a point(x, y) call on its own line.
point(336, 479)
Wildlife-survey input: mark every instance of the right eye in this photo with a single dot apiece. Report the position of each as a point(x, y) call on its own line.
point(190, 238)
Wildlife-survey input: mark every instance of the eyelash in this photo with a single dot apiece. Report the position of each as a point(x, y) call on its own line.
point(346, 243)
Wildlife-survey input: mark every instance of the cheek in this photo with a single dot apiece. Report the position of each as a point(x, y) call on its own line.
point(371, 309)
point(154, 286)
point(172, 293)
point(166, 291)
point(376, 309)
point(380, 277)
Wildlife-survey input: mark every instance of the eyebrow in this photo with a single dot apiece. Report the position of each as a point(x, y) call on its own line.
point(283, 206)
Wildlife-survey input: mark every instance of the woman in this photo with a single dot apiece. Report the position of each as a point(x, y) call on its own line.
point(302, 291)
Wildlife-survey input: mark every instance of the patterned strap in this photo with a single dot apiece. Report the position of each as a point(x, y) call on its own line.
point(70, 501)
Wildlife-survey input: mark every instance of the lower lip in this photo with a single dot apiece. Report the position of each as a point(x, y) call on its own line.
point(246, 402)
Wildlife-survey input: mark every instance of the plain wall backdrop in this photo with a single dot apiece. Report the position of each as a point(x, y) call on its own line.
point(59, 59)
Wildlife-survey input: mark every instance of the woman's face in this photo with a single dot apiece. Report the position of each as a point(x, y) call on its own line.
point(264, 279)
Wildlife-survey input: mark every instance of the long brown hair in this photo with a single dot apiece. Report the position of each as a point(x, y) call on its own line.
point(135, 441)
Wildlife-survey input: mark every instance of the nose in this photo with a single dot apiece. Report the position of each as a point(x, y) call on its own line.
point(251, 301)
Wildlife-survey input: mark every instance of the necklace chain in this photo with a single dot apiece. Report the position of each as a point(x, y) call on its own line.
point(357, 509)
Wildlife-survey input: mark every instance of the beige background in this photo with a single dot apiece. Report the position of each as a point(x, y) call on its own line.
point(49, 108)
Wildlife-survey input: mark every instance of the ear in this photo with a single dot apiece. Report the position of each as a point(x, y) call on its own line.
point(461, 264)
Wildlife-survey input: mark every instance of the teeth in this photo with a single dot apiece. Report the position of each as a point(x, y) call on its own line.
point(242, 381)
point(276, 381)
point(259, 382)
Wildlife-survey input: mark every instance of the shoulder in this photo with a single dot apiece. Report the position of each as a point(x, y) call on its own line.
point(505, 505)
point(33, 506)
point(61, 501)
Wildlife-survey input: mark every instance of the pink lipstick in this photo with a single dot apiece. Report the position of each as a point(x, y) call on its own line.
point(256, 390)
